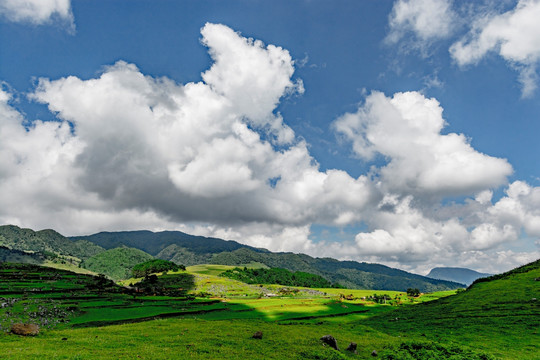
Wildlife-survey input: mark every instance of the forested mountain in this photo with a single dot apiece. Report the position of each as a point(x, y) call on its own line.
point(19, 256)
point(462, 275)
point(45, 241)
point(168, 243)
point(188, 250)
point(351, 274)
point(116, 263)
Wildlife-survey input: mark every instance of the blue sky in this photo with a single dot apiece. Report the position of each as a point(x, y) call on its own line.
point(400, 132)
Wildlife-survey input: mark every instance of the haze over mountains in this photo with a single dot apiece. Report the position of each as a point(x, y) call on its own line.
point(187, 249)
point(461, 275)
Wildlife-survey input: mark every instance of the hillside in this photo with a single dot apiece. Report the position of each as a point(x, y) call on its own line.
point(190, 250)
point(116, 263)
point(45, 241)
point(19, 256)
point(155, 242)
point(461, 275)
point(350, 274)
point(499, 314)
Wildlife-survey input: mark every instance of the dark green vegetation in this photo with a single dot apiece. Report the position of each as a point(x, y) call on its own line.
point(19, 256)
point(180, 248)
point(46, 242)
point(188, 250)
point(278, 276)
point(499, 315)
point(350, 274)
point(175, 246)
point(461, 275)
point(154, 266)
point(166, 285)
point(116, 263)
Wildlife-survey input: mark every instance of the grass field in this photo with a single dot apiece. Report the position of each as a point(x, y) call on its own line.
point(87, 319)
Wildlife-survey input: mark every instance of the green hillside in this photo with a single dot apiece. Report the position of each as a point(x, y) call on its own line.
point(19, 256)
point(45, 241)
point(153, 243)
point(277, 276)
point(95, 319)
point(190, 250)
point(350, 274)
point(116, 263)
point(499, 314)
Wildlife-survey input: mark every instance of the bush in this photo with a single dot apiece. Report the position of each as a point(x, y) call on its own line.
point(413, 292)
point(155, 266)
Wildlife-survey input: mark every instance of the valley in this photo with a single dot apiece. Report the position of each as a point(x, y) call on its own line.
point(211, 316)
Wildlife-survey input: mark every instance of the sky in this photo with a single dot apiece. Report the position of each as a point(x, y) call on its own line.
point(398, 132)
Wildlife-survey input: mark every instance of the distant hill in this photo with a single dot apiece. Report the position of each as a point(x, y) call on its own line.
point(503, 309)
point(181, 248)
point(45, 241)
point(19, 256)
point(461, 275)
point(116, 263)
point(167, 244)
point(351, 274)
point(190, 250)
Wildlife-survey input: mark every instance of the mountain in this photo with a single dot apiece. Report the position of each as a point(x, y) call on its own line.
point(351, 274)
point(116, 263)
point(47, 242)
point(19, 256)
point(181, 248)
point(155, 242)
point(461, 275)
point(189, 250)
point(503, 310)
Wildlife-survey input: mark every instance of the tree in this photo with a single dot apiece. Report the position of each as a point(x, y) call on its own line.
point(413, 292)
point(155, 266)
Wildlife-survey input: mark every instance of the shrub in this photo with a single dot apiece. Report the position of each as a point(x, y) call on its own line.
point(155, 266)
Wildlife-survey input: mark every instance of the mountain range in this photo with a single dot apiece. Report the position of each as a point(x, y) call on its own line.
point(186, 249)
point(457, 274)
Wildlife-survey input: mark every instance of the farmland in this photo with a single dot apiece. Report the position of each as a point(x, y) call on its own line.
point(87, 317)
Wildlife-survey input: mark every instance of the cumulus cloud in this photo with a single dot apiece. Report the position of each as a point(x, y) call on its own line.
point(37, 12)
point(406, 129)
point(422, 167)
point(426, 20)
point(203, 152)
point(514, 35)
point(215, 158)
point(417, 238)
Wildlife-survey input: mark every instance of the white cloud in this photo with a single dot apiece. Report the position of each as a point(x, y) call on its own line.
point(191, 152)
point(514, 35)
point(130, 151)
point(37, 11)
point(406, 129)
point(427, 20)
point(423, 166)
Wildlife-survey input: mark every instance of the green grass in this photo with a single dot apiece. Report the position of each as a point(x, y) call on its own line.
point(209, 269)
point(499, 317)
point(495, 319)
point(196, 339)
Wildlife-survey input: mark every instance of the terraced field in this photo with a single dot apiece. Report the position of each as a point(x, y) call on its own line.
point(86, 317)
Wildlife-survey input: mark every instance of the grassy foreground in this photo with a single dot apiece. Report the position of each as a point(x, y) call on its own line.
point(496, 319)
